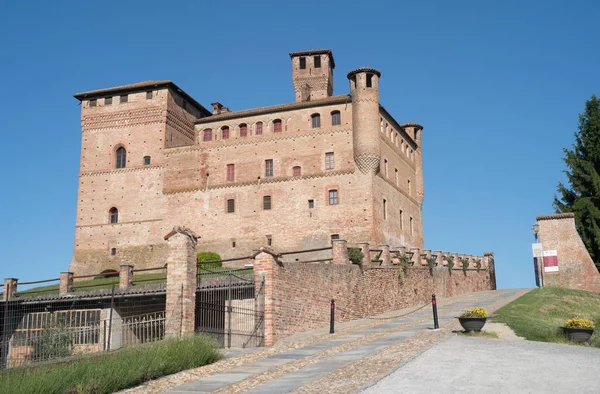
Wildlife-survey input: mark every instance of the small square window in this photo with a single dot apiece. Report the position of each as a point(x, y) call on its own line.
point(93, 102)
point(149, 95)
point(317, 60)
point(311, 204)
point(334, 237)
point(233, 243)
point(333, 197)
point(297, 171)
point(302, 63)
point(146, 160)
point(266, 203)
point(231, 205)
point(269, 240)
point(124, 98)
point(113, 252)
point(108, 101)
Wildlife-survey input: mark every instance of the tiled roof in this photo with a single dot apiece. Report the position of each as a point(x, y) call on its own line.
point(340, 99)
point(364, 70)
point(412, 124)
point(566, 215)
point(315, 52)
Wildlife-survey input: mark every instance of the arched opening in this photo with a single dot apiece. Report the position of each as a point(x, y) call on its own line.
point(146, 160)
point(243, 130)
point(121, 157)
point(109, 274)
point(315, 121)
point(207, 135)
point(225, 132)
point(336, 118)
point(259, 128)
point(297, 171)
point(277, 126)
point(113, 215)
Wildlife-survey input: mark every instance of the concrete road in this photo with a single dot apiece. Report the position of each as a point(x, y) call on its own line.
point(481, 365)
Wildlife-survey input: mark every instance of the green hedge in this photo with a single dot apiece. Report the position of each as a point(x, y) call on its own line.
point(110, 372)
point(209, 256)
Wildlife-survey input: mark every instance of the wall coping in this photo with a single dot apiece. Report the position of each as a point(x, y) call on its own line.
point(556, 216)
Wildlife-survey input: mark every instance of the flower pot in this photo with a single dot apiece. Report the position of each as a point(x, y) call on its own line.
point(472, 323)
point(578, 334)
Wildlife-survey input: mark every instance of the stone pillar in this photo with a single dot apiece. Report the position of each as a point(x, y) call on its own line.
point(340, 251)
point(416, 257)
point(438, 257)
point(10, 288)
point(182, 271)
point(125, 276)
point(265, 272)
point(385, 255)
point(364, 247)
point(427, 255)
point(66, 283)
point(491, 269)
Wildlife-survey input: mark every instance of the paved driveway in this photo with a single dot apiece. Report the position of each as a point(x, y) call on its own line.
point(481, 365)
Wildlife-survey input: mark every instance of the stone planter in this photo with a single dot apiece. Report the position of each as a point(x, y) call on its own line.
point(472, 323)
point(578, 334)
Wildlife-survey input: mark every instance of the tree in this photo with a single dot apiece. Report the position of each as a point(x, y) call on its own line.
point(582, 194)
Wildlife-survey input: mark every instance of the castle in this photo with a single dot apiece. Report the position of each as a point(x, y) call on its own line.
point(293, 176)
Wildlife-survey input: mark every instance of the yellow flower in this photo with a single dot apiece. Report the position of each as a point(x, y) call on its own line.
point(475, 312)
point(579, 323)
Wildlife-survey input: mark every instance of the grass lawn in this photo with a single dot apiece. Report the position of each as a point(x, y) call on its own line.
point(110, 372)
point(538, 314)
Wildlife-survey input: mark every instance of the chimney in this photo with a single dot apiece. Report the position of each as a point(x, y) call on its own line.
point(217, 107)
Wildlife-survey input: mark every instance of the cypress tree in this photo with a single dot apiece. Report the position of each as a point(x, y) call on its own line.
point(582, 194)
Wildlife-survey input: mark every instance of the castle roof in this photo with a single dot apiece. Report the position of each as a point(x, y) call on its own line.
point(315, 52)
point(340, 99)
point(364, 70)
point(141, 86)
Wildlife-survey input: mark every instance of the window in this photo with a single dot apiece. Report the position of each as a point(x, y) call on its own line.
point(316, 121)
point(334, 237)
point(243, 130)
point(146, 160)
point(401, 220)
point(108, 101)
point(384, 209)
point(336, 118)
point(149, 95)
point(297, 171)
point(277, 126)
point(369, 80)
point(113, 215)
point(113, 252)
point(269, 240)
point(93, 102)
point(121, 157)
point(311, 204)
point(233, 243)
point(317, 60)
point(411, 225)
point(207, 135)
point(230, 205)
point(259, 127)
point(269, 167)
point(409, 191)
point(396, 176)
point(230, 172)
point(333, 197)
point(385, 167)
point(302, 63)
point(266, 203)
point(225, 133)
point(124, 98)
point(329, 161)
point(416, 134)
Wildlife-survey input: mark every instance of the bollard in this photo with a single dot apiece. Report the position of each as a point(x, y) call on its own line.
point(331, 322)
point(436, 324)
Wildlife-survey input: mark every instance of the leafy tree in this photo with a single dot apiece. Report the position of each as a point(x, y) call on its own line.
point(203, 257)
point(582, 195)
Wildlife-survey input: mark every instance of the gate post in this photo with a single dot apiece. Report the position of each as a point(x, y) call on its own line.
point(182, 276)
point(265, 269)
point(340, 251)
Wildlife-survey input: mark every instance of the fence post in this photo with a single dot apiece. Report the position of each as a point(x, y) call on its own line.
point(436, 324)
point(229, 310)
point(66, 283)
point(10, 288)
point(332, 318)
point(125, 276)
point(340, 251)
point(267, 268)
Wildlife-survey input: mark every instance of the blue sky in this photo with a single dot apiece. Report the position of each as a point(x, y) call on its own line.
point(498, 87)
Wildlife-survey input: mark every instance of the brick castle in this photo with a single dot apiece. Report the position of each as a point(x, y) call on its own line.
point(293, 176)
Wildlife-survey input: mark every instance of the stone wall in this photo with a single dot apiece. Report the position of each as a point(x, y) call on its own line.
point(576, 270)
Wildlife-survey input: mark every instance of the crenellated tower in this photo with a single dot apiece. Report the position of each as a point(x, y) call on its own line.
point(364, 89)
point(312, 74)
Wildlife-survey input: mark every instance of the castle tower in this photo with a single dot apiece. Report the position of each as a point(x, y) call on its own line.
point(312, 74)
point(364, 88)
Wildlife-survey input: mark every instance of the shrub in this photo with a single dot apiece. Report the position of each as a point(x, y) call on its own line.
point(450, 260)
point(475, 312)
point(209, 256)
point(464, 263)
point(355, 255)
point(54, 342)
point(431, 262)
point(478, 264)
point(576, 322)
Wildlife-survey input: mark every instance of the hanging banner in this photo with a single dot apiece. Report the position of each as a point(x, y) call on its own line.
point(537, 249)
point(550, 261)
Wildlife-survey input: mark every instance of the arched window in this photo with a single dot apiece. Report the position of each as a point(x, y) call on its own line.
point(336, 118)
point(113, 215)
point(121, 157)
point(243, 130)
point(297, 171)
point(277, 126)
point(146, 160)
point(316, 121)
point(207, 135)
point(225, 133)
point(259, 128)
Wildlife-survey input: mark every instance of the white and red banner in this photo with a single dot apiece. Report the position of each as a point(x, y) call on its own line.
point(550, 261)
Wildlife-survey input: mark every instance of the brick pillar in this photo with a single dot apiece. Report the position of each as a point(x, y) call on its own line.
point(416, 257)
point(182, 271)
point(438, 258)
point(340, 251)
point(66, 283)
point(125, 276)
point(385, 255)
point(265, 272)
point(364, 247)
point(491, 269)
point(10, 288)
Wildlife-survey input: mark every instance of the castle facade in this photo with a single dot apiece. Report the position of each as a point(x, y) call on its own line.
point(293, 176)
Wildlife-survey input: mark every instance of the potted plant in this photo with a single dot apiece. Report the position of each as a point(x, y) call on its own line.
point(473, 319)
point(578, 330)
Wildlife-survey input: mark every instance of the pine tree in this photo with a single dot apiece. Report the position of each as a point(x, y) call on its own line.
point(582, 195)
